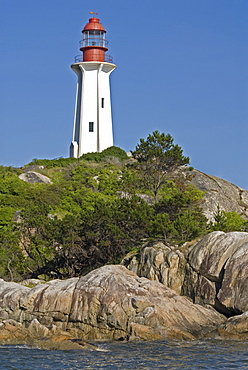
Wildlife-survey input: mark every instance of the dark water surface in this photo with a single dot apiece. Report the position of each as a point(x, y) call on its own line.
point(132, 355)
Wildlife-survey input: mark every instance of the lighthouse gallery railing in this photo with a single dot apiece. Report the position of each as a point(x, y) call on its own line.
point(79, 59)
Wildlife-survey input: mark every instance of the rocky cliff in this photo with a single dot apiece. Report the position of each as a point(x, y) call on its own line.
point(218, 192)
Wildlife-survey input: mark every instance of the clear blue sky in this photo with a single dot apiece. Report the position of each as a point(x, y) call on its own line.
point(181, 69)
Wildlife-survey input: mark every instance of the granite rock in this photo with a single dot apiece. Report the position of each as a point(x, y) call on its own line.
point(33, 177)
point(108, 303)
point(212, 271)
point(218, 193)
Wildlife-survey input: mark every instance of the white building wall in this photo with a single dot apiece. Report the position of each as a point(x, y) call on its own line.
point(88, 140)
point(93, 86)
point(105, 113)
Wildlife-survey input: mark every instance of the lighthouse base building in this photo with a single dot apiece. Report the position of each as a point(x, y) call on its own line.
point(92, 131)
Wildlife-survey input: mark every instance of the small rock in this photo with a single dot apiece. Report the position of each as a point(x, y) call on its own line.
point(33, 177)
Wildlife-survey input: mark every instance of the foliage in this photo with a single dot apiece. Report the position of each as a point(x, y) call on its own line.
point(228, 221)
point(158, 156)
point(51, 163)
point(178, 215)
point(112, 151)
point(94, 212)
point(6, 215)
point(11, 255)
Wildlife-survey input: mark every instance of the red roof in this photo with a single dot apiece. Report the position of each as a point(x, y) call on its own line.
point(94, 24)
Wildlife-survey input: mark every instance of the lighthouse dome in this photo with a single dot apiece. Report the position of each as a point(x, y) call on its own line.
point(94, 25)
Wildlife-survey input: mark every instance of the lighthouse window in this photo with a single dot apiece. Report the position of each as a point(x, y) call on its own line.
point(102, 103)
point(91, 126)
point(94, 38)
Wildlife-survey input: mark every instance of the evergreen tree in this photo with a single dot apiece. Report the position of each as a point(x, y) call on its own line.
point(158, 156)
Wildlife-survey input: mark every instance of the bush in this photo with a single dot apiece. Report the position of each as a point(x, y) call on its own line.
point(51, 163)
point(228, 221)
point(112, 151)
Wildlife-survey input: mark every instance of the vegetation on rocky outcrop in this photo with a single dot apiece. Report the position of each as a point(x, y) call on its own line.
point(93, 210)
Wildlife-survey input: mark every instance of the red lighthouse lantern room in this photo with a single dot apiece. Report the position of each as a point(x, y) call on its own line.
point(94, 43)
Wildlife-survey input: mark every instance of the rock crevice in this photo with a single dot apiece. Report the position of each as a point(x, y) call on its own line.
point(211, 272)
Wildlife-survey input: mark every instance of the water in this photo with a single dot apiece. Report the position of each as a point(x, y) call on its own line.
point(131, 355)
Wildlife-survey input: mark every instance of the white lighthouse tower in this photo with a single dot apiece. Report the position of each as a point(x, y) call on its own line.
point(92, 130)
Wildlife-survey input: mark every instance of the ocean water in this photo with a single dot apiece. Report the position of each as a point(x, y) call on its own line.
point(210, 354)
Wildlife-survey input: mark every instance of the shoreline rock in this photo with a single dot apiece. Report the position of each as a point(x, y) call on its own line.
point(212, 271)
point(136, 302)
point(110, 303)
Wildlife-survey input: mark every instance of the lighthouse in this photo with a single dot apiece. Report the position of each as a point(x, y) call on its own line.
point(92, 130)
